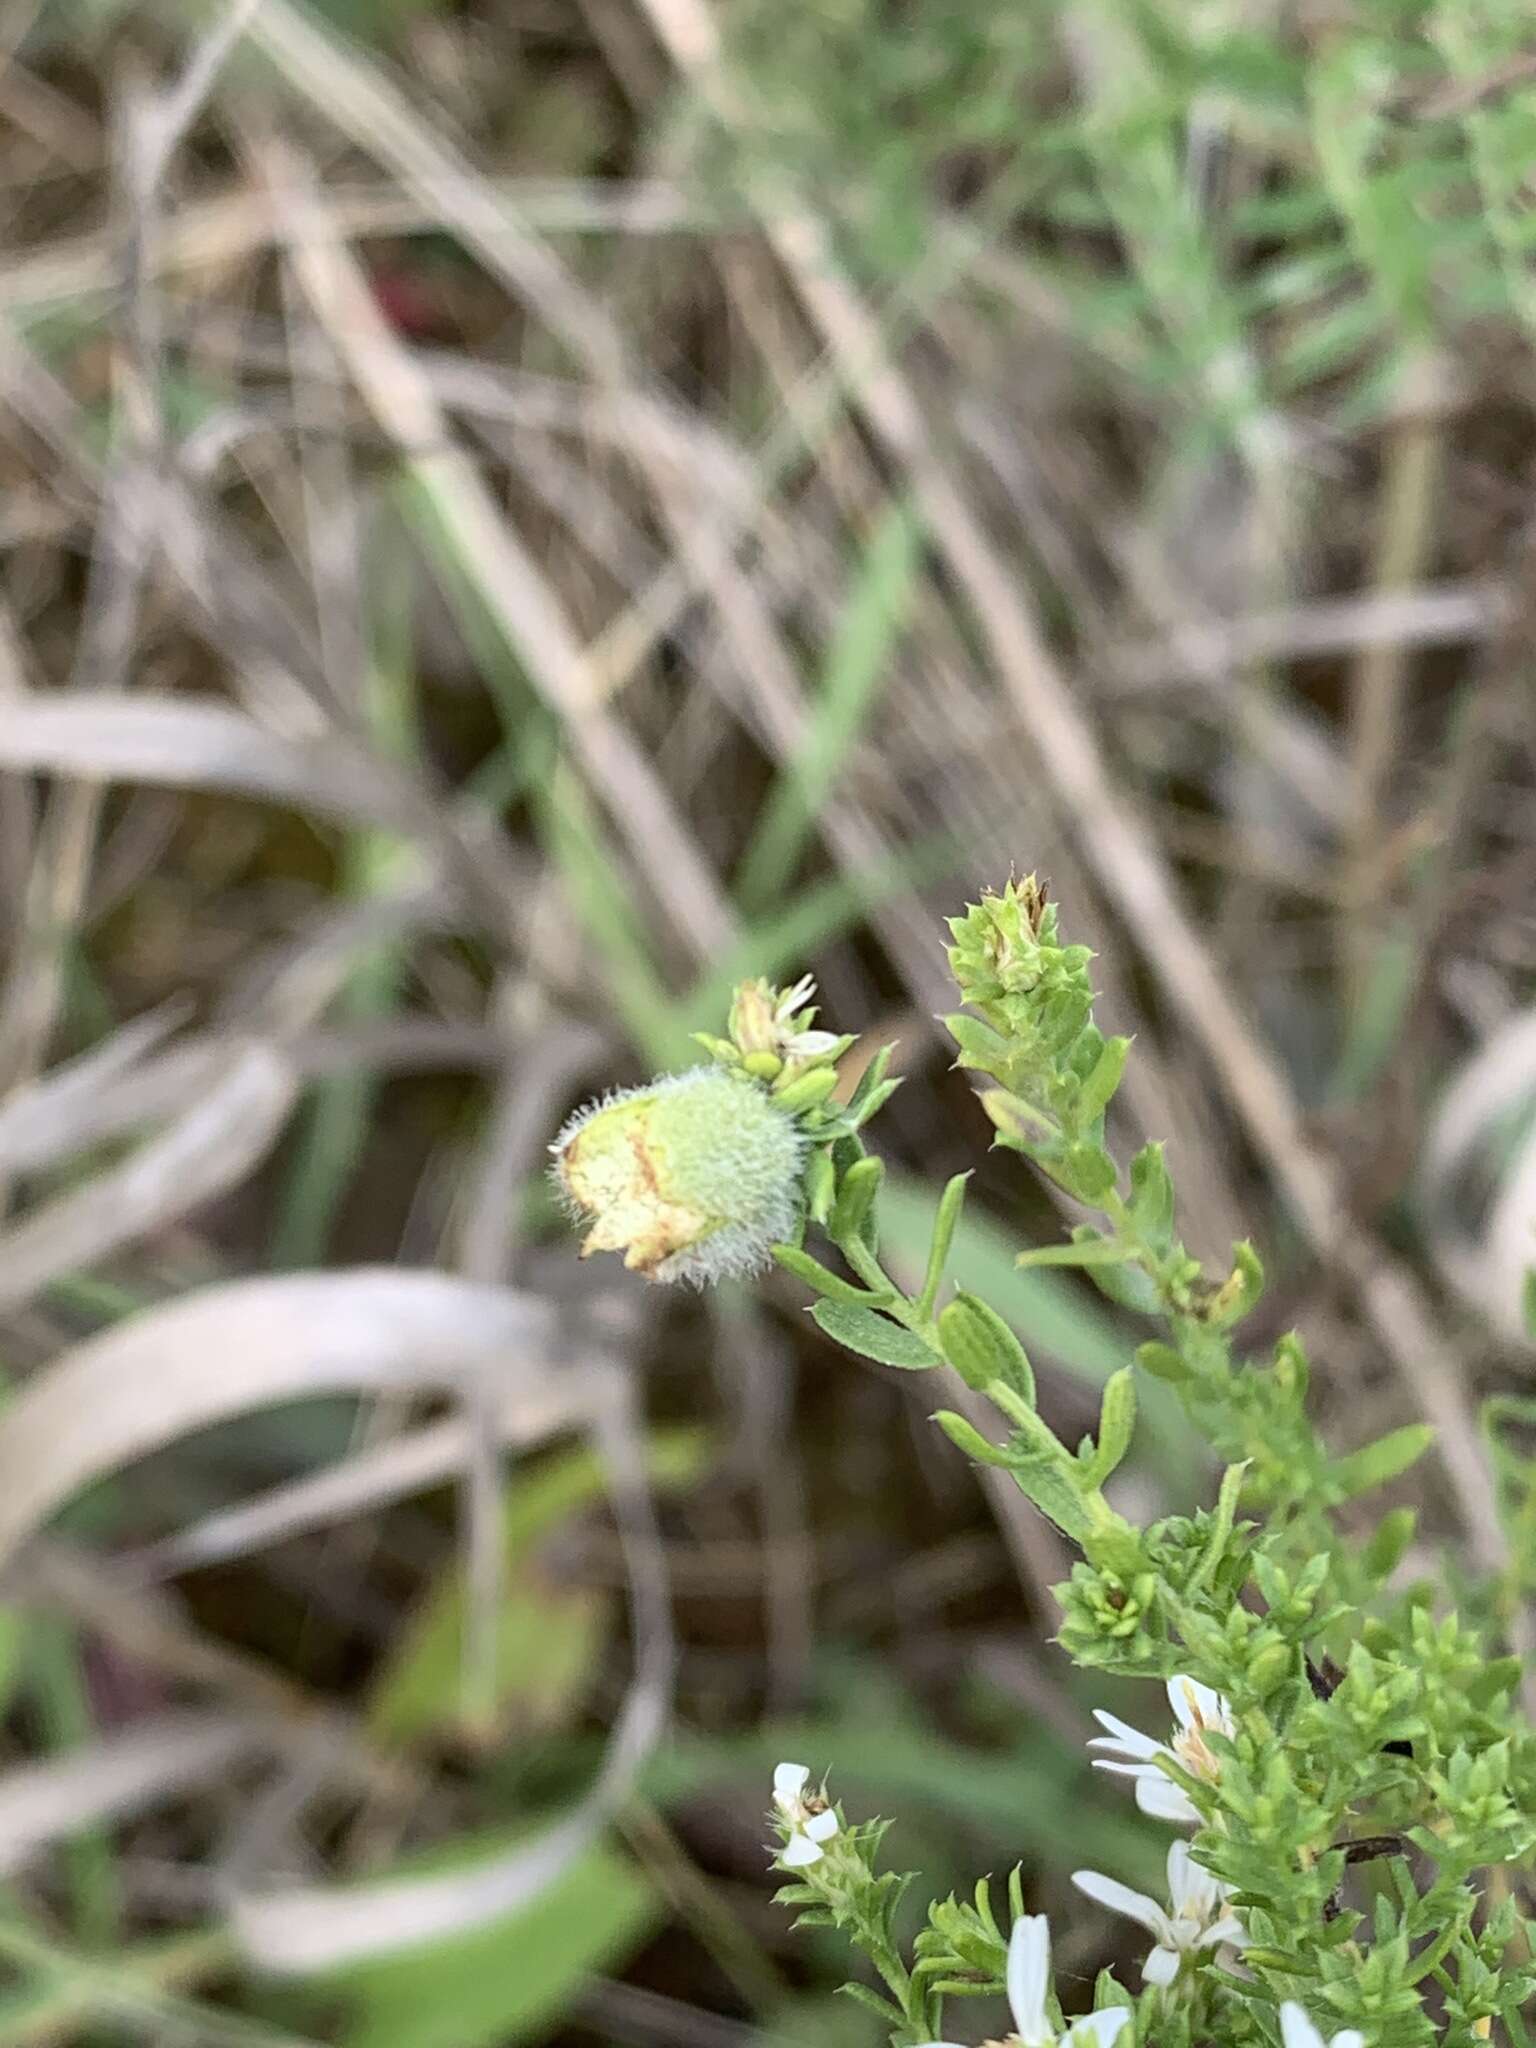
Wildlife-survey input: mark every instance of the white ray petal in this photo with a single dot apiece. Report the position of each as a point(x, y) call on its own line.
point(1121, 1899)
point(799, 1853)
point(789, 1782)
point(1122, 1736)
point(1029, 1979)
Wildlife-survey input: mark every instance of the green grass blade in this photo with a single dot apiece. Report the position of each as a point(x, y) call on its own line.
point(876, 610)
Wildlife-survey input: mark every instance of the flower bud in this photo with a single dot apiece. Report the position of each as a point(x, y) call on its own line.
point(693, 1177)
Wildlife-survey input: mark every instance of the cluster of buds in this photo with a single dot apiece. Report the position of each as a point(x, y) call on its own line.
point(1031, 1029)
point(771, 1039)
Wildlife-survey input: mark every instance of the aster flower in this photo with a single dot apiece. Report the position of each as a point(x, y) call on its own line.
point(1199, 1711)
point(1029, 1986)
point(1197, 1918)
point(810, 1820)
point(1297, 2031)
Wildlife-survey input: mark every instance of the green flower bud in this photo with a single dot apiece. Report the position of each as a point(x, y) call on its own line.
point(693, 1177)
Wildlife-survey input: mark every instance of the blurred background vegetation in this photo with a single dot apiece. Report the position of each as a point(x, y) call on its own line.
point(518, 513)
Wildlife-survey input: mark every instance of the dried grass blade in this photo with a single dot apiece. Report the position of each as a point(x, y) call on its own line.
point(206, 1150)
point(118, 1776)
point(230, 1349)
point(180, 744)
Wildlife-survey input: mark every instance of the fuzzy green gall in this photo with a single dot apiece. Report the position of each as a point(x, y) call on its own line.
point(693, 1177)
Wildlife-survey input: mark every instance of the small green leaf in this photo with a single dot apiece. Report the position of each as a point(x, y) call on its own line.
point(1099, 1087)
point(854, 1207)
point(982, 1348)
point(1240, 1291)
point(1117, 1424)
point(871, 1104)
point(1388, 1458)
point(1088, 1250)
point(944, 1225)
point(808, 1091)
point(1388, 1545)
point(871, 1078)
point(1163, 1362)
point(967, 1438)
point(1086, 1171)
point(816, 1275)
point(1152, 1198)
point(1292, 1367)
point(1053, 1489)
point(820, 1185)
point(980, 1046)
point(1221, 1527)
point(1129, 1286)
point(861, 1330)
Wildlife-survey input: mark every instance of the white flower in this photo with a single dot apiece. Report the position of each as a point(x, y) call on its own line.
point(1198, 1915)
point(1197, 1710)
point(1297, 2031)
point(796, 1040)
point(1029, 1985)
point(811, 1821)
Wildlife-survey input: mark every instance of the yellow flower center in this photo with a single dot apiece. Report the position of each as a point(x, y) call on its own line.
point(1190, 1745)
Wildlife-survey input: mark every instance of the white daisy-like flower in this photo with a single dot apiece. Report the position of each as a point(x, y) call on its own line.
point(1198, 1712)
point(811, 1821)
point(1029, 1986)
point(1297, 2031)
point(1198, 1916)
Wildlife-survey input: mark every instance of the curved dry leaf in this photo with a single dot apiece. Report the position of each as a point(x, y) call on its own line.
point(248, 1344)
point(315, 1927)
point(405, 1464)
point(79, 1101)
point(1486, 1258)
point(205, 1150)
point(179, 743)
point(116, 1777)
point(251, 1343)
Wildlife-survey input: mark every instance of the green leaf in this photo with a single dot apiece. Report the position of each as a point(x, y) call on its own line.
point(862, 1331)
point(872, 1078)
point(1163, 1362)
point(1240, 1291)
point(1088, 1250)
point(967, 1438)
point(820, 1186)
point(1127, 1285)
point(854, 1207)
point(1390, 1542)
point(980, 1046)
point(1055, 1494)
point(816, 1275)
point(806, 1091)
point(1152, 1198)
point(508, 1982)
point(1085, 1170)
point(856, 665)
point(1099, 1087)
point(982, 1348)
point(1117, 1424)
point(1221, 1527)
point(1388, 1458)
point(944, 1225)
